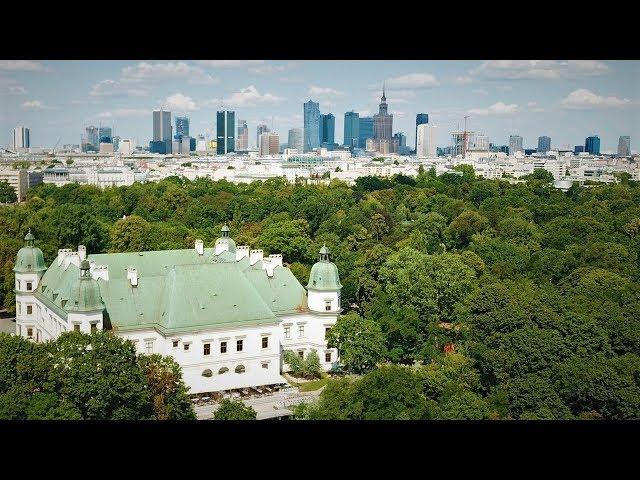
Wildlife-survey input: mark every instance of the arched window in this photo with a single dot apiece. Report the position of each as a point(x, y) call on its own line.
point(240, 369)
point(207, 373)
point(223, 370)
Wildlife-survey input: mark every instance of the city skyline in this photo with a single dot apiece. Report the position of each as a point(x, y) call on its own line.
point(565, 100)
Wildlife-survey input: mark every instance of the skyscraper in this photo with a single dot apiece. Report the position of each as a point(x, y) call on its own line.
point(351, 129)
point(624, 146)
point(426, 146)
point(225, 127)
point(105, 135)
point(482, 142)
point(382, 121)
point(262, 128)
point(295, 139)
point(182, 127)
point(242, 143)
point(311, 125)
point(578, 149)
point(421, 119)
point(327, 128)
point(161, 132)
point(90, 140)
point(21, 138)
point(402, 138)
point(592, 145)
point(366, 130)
point(269, 143)
point(515, 144)
point(544, 144)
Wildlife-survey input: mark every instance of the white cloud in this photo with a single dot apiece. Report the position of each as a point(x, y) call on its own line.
point(413, 80)
point(230, 63)
point(35, 105)
point(180, 102)
point(124, 113)
point(169, 70)
point(9, 86)
point(498, 108)
point(539, 69)
point(22, 66)
point(463, 80)
point(480, 91)
point(324, 92)
point(585, 99)
point(106, 88)
point(270, 68)
point(249, 97)
point(394, 97)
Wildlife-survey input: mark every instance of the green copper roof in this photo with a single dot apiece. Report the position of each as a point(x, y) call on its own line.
point(29, 258)
point(324, 274)
point(180, 291)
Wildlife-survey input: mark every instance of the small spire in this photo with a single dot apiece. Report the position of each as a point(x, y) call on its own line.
point(84, 268)
point(384, 98)
point(29, 238)
point(324, 252)
point(225, 230)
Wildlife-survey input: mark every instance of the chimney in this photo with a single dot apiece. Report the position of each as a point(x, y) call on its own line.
point(242, 252)
point(222, 245)
point(276, 259)
point(254, 256)
point(132, 275)
point(62, 253)
point(200, 247)
point(82, 252)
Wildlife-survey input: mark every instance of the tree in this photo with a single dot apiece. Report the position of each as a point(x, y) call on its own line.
point(234, 410)
point(359, 341)
point(464, 226)
point(308, 367)
point(7, 192)
point(131, 235)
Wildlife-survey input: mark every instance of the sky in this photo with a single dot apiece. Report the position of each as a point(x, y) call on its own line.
point(565, 100)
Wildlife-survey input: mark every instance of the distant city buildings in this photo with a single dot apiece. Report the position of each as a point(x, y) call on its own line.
point(327, 128)
point(515, 144)
point(182, 127)
point(295, 139)
point(383, 141)
point(366, 131)
point(351, 129)
point(262, 128)
point(242, 142)
point(578, 149)
point(311, 112)
point(126, 146)
point(225, 128)
point(421, 119)
point(482, 143)
point(105, 134)
point(162, 137)
point(20, 138)
point(592, 145)
point(90, 140)
point(544, 144)
point(269, 143)
point(426, 146)
point(624, 146)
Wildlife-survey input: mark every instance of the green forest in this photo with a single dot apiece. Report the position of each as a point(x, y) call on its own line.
point(464, 298)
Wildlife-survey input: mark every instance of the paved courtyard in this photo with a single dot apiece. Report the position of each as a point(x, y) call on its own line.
point(8, 325)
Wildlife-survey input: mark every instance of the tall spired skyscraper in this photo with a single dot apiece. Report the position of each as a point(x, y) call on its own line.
point(382, 121)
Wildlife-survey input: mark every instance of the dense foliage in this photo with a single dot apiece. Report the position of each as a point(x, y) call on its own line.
point(90, 377)
point(502, 300)
point(307, 367)
point(234, 410)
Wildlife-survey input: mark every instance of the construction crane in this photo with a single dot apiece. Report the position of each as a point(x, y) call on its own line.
point(53, 150)
point(465, 137)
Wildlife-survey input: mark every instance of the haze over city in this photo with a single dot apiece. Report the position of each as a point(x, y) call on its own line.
point(565, 100)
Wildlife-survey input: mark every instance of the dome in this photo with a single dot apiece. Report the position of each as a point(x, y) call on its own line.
point(86, 296)
point(29, 258)
point(225, 238)
point(324, 274)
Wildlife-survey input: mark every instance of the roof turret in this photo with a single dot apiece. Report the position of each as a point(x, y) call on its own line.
point(29, 258)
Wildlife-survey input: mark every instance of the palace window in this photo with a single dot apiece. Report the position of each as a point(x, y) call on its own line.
point(175, 344)
point(265, 365)
point(327, 357)
point(301, 353)
point(300, 331)
point(239, 346)
point(76, 327)
point(240, 369)
point(148, 345)
point(265, 342)
point(29, 286)
point(29, 309)
point(94, 328)
point(327, 305)
point(326, 331)
point(29, 332)
point(287, 332)
point(207, 349)
point(223, 347)
point(186, 346)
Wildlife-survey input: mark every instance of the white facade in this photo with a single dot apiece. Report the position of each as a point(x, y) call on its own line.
point(21, 138)
point(426, 146)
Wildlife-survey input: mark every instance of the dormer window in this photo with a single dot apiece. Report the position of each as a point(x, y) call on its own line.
point(327, 305)
point(29, 286)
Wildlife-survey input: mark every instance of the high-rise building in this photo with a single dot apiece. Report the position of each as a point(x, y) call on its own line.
point(421, 119)
point(382, 121)
point(402, 139)
point(592, 145)
point(162, 132)
point(269, 143)
point(327, 128)
point(116, 143)
point(624, 146)
point(460, 142)
point(366, 130)
point(182, 127)
point(351, 129)
point(544, 144)
point(201, 143)
point(311, 125)
point(21, 138)
point(295, 139)
point(126, 147)
point(482, 143)
point(225, 127)
point(262, 128)
point(426, 146)
point(90, 141)
point(105, 135)
point(515, 144)
point(242, 143)
point(578, 149)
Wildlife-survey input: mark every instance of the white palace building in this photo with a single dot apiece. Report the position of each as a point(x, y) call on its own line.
point(225, 314)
